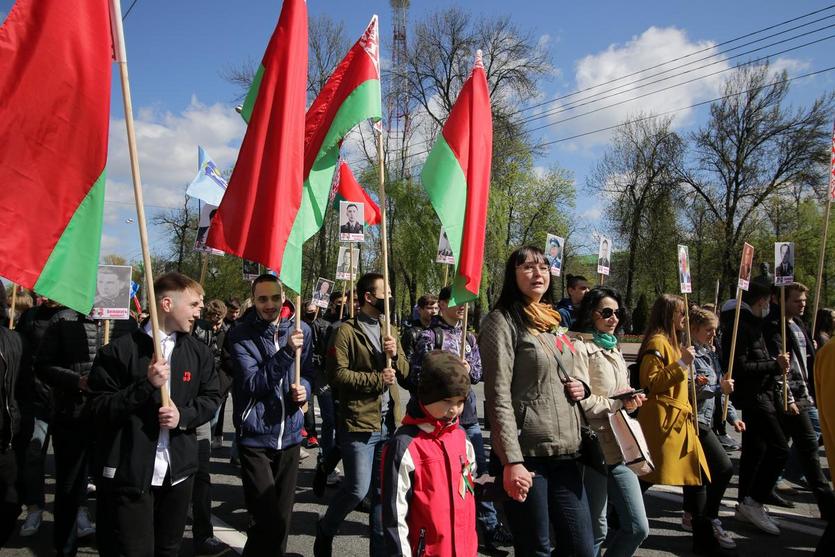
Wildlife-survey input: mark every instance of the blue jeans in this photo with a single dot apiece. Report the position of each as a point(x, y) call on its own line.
point(362, 461)
point(327, 412)
point(621, 488)
point(556, 499)
point(485, 511)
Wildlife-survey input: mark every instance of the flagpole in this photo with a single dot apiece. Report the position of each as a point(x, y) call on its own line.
point(121, 60)
point(716, 299)
point(204, 268)
point(729, 375)
point(446, 274)
point(384, 233)
point(820, 267)
point(12, 309)
point(464, 332)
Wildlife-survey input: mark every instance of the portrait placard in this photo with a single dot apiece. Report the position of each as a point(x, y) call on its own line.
point(444, 255)
point(554, 246)
point(684, 270)
point(351, 219)
point(783, 263)
point(604, 256)
point(343, 265)
point(745, 266)
point(322, 293)
point(113, 286)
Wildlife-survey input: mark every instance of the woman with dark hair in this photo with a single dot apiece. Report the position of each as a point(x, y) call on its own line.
point(532, 397)
point(600, 364)
point(824, 326)
point(667, 416)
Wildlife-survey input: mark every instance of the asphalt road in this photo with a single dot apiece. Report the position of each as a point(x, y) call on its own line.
point(801, 526)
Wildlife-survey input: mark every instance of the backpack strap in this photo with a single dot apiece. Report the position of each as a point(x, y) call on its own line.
point(439, 337)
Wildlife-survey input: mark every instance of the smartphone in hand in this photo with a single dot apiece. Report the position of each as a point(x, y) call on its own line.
point(627, 394)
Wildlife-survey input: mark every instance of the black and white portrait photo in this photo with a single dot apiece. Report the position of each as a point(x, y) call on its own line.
point(351, 219)
point(112, 292)
point(783, 263)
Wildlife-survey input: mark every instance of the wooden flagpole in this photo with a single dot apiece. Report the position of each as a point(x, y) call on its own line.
point(729, 375)
point(820, 265)
point(351, 274)
point(342, 300)
point(378, 127)
point(783, 346)
point(204, 267)
point(121, 60)
point(716, 309)
point(107, 331)
point(12, 308)
point(692, 395)
point(446, 274)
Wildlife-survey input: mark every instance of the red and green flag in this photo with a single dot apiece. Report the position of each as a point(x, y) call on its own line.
point(346, 188)
point(351, 95)
point(261, 204)
point(456, 176)
point(55, 64)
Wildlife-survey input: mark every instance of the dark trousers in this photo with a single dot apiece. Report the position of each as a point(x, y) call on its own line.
point(151, 523)
point(310, 419)
point(764, 454)
point(201, 498)
point(269, 480)
point(556, 499)
point(71, 443)
point(9, 505)
point(704, 500)
point(221, 412)
point(805, 441)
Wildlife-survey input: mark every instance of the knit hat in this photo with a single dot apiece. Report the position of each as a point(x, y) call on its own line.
point(443, 375)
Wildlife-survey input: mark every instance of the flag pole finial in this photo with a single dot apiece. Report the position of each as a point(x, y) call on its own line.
point(479, 61)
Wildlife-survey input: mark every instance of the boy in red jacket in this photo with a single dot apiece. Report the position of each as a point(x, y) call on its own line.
point(427, 489)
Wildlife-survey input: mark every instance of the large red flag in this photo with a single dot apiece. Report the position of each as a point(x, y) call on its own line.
point(265, 191)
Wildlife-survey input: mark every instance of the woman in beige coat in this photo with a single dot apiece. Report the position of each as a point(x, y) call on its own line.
point(599, 363)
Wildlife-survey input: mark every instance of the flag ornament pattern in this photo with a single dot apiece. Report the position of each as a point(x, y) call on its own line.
point(346, 188)
point(55, 75)
point(456, 177)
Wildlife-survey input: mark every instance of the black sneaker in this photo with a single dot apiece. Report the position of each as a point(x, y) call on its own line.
point(778, 501)
point(211, 547)
point(320, 480)
point(499, 537)
point(323, 546)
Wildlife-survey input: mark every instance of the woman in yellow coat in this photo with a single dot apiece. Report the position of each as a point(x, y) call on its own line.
point(667, 416)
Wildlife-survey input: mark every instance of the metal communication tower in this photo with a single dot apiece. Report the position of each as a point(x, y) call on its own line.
point(399, 118)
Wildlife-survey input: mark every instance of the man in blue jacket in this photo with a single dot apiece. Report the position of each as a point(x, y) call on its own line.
point(267, 411)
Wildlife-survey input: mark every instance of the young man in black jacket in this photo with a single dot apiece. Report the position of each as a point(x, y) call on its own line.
point(14, 387)
point(147, 453)
point(756, 374)
point(801, 412)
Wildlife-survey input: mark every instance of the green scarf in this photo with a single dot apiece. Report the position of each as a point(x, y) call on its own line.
point(605, 340)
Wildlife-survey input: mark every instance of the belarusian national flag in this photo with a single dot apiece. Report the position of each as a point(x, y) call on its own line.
point(55, 59)
point(348, 189)
point(262, 200)
point(456, 176)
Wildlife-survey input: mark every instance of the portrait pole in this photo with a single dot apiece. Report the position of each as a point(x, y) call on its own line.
point(107, 331)
point(716, 299)
point(729, 375)
point(121, 60)
point(692, 394)
point(446, 274)
point(783, 348)
point(820, 267)
point(351, 275)
point(383, 233)
point(12, 309)
point(342, 301)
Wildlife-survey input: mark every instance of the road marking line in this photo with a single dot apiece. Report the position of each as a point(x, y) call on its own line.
point(229, 535)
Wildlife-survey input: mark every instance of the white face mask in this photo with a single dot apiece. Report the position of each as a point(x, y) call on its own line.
point(765, 311)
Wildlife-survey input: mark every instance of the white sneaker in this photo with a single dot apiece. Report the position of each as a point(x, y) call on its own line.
point(687, 522)
point(724, 538)
point(334, 477)
point(303, 454)
point(754, 513)
point(32, 522)
point(83, 524)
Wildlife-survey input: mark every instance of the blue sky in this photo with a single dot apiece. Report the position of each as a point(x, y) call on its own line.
point(176, 50)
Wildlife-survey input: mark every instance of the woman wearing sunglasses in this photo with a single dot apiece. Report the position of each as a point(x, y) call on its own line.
point(667, 416)
point(600, 364)
point(532, 396)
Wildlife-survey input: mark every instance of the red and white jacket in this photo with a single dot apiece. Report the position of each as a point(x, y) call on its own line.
point(427, 489)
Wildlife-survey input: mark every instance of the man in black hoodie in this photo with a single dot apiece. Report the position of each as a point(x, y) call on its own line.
point(756, 374)
point(147, 453)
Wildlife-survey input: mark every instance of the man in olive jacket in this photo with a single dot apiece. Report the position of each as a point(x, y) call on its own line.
point(369, 409)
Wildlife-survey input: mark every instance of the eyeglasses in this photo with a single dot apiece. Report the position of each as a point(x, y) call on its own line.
point(607, 313)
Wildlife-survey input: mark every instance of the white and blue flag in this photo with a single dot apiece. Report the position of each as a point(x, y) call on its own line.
point(208, 186)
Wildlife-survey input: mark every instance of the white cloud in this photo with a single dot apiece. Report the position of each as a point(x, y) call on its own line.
point(592, 213)
point(601, 71)
point(167, 144)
